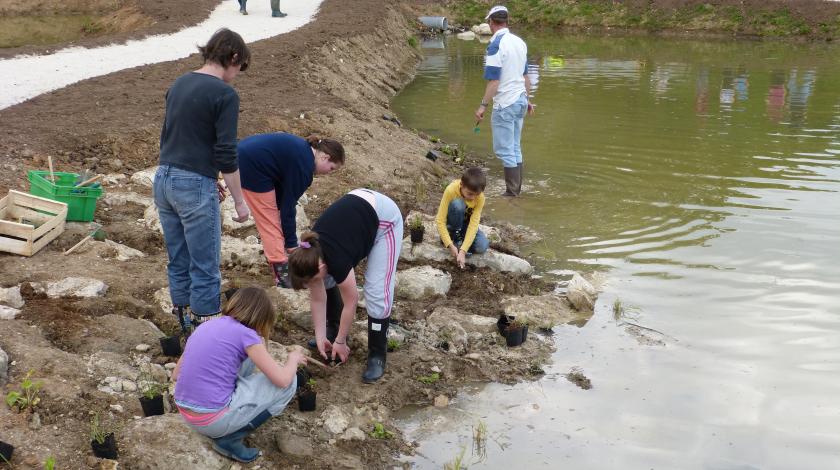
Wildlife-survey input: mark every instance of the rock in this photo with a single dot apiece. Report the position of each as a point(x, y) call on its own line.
point(121, 199)
point(469, 323)
point(170, 365)
point(238, 252)
point(116, 408)
point(491, 259)
point(151, 219)
point(163, 299)
point(482, 29)
point(142, 347)
point(112, 179)
point(294, 305)
point(430, 226)
point(466, 35)
point(35, 422)
point(128, 386)
point(335, 420)
point(436, 369)
point(448, 330)
point(107, 464)
point(229, 212)
point(422, 282)
point(543, 311)
point(91, 461)
point(397, 333)
point(581, 293)
point(353, 434)
point(251, 239)
point(124, 253)
point(441, 401)
point(166, 442)
point(11, 297)
point(145, 177)
point(4, 366)
point(294, 446)
point(474, 356)
point(8, 313)
point(71, 287)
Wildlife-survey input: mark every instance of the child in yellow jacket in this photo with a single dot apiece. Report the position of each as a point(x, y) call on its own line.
point(459, 214)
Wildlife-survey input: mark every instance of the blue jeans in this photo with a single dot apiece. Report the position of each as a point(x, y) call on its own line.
point(188, 204)
point(507, 132)
point(457, 227)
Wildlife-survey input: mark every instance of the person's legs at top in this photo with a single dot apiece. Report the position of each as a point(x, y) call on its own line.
point(502, 122)
point(194, 200)
point(178, 268)
point(267, 218)
point(380, 278)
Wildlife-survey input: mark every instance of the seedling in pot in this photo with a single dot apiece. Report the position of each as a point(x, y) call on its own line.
point(416, 229)
point(102, 439)
point(151, 399)
point(429, 379)
point(307, 395)
point(379, 432)
point(27, 398)
point(515, 333)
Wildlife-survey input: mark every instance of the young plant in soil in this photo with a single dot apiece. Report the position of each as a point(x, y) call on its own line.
point(480, 440)
point(379, 432)
point(416, 229)
point(49, 464)
point(307, 395)
point(429, 379)
point(151, 398)
point(458, 462)
point(393, 345)
point(27, 398)
point(102, 439)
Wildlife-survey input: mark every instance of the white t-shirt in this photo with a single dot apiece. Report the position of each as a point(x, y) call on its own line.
point(507, 61)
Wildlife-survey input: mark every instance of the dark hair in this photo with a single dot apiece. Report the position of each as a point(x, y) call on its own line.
point(474, 179)
point(252, 307)
point(223, 46)
point(303, 262)
point(499, 18)
point(331, 147)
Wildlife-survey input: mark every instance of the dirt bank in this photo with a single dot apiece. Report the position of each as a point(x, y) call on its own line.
point(803, 19)
point(333, 77)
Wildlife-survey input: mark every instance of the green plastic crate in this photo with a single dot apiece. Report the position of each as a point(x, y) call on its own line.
point(81, 202)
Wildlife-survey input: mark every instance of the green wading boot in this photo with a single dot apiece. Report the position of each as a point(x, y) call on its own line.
point(377, 348)
point(519, 169)
point(510, 182)
point(275, 9)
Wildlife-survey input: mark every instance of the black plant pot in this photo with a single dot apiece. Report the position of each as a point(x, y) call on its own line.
point(417, 234)
point(306, 400)
point(524, 333)
point(152, 406)
point(303, 377)
point(106, 450)
point(6, 451)
point(171, 346)
point(503, 323)
point(514, 336)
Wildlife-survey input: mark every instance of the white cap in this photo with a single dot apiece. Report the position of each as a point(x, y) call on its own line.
point(496, 9)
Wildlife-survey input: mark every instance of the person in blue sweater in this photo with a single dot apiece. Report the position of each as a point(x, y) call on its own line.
point(275, 170)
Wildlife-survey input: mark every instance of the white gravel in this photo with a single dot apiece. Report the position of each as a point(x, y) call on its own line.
point(24, 77)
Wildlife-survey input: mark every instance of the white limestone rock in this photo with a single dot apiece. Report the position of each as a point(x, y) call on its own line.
point(11, 297)
point(124, 253)
point(121, 199)
point(166, 442)
point(422, 282)
point(163, 299)
point(83, 287)
point(238, 252)
point(8, 313)
point(145, 177)
point(151, 219)
point(482, 29)
point(466, 35)
point(543, 311)
point(4, 366)
point(581, 293)
point(335, 420)
point(491, 259)
point(293, 304)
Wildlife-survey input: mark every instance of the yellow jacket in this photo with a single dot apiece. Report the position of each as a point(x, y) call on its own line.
point(474, 207)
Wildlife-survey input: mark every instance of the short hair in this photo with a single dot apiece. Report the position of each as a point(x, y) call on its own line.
point(500, 17)
point(223, 46)
point(474, 179)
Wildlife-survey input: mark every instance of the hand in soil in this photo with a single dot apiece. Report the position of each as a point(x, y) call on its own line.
point(461, 259)
point(340, 351)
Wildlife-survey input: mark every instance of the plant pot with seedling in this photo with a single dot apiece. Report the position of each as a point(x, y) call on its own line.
point(303, 377)
point(6, 451)
point(151, 398)
point(103, 442)
point(514, 333)
point(307, 395)
point(503, 322)
point(416, 229)
point(171, 345)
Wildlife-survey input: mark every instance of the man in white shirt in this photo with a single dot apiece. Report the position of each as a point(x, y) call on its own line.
point(506, 72)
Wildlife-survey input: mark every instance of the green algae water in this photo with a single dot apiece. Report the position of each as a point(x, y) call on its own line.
point(702, 179)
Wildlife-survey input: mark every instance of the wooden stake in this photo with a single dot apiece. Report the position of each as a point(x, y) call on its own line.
point(49, 161)
point(82, 242)
point(88, 181)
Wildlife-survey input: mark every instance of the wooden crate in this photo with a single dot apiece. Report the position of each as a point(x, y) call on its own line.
point(28, 223)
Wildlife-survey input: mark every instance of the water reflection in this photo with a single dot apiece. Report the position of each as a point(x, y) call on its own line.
point(704, 178)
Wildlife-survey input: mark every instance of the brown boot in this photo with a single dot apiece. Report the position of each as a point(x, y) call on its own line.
point(510, 182)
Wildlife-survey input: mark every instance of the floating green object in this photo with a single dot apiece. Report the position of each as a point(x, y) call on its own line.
point(477, 129)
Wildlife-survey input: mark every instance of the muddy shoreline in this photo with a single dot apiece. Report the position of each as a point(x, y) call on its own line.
point(332, 77)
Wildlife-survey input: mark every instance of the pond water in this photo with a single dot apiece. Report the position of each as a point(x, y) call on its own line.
point(702, 178)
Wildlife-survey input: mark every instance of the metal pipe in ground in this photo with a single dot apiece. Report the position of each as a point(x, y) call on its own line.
point(436, 22)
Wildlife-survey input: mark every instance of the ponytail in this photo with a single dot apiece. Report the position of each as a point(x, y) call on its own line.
point(331, 147)
point(303, 262)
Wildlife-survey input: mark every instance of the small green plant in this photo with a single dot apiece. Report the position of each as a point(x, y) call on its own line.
point(393, 344)
point(412, 41)
point(618, 309)
point(98, 430)
point(415, 223)
point(310, 383)
point(27, 398)
point(150, 388)
point(458, 462)
point(429, 379)
point(420, 192)
point(49, 464)
point(379, 432)
point(480, 440)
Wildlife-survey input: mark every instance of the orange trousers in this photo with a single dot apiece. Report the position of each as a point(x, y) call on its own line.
point(267, 217)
